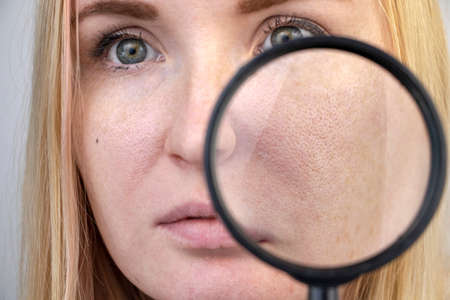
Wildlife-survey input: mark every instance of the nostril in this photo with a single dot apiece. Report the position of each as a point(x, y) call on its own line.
point(225, 142)
point(177, 157)
point(179, 160)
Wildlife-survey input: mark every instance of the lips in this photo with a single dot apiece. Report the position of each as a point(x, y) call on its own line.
point(186, 211)
point(197, 225)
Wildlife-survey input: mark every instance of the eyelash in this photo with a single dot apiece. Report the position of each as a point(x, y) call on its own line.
point(105, 40)
point(281, 21)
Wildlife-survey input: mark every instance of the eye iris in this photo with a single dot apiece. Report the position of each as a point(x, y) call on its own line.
point(285, 34)
point(131, 51)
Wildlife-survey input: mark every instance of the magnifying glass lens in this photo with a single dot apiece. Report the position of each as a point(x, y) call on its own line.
point(322, 158)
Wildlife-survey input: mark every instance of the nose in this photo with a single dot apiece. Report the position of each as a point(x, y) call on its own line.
point(186, 137)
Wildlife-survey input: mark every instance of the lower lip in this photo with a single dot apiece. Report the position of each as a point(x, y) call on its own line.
point(200, 233)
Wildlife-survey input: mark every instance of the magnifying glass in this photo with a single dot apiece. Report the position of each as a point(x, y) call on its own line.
point(326, 159)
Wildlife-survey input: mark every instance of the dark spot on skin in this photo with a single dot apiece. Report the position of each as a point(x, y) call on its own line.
point(96, 140)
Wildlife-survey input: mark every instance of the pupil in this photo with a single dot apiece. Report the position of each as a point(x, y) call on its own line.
point(131, 51)
point(285, 38)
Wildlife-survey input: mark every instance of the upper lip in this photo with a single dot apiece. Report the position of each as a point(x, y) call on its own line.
point(192, 210)
point(187, 211)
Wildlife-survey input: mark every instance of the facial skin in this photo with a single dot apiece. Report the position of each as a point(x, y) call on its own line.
point(323, 141)
point(139, 142)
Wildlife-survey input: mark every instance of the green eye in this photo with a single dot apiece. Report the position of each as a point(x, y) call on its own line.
point(131, 51)
point(282, 29)
point(285, 34)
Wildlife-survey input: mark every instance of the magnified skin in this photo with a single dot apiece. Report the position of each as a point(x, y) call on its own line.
point(331, 157)
point(139, 133)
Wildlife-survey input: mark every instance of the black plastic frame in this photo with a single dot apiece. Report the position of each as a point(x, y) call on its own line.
point(436, 181)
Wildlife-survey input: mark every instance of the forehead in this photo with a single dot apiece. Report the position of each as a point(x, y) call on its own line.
point(244, 6)
point(239, 6)
point(361, 19)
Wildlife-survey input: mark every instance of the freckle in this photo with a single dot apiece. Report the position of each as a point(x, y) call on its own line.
point(96, 140)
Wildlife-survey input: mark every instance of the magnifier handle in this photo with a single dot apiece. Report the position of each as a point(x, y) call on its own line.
point(322, 293)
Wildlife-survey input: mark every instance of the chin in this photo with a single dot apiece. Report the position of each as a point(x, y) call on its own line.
point(221, 274)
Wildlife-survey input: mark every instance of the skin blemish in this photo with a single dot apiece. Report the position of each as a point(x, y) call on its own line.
point(96, 140)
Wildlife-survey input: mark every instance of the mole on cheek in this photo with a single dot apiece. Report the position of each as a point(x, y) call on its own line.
point(96, 140)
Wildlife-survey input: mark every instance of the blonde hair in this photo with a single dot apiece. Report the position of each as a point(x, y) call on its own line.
point(63, 255)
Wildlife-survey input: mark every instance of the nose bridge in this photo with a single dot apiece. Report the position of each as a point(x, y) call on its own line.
point(207, 75)
point(207, 70)
point(202, 89)
point(208, 66)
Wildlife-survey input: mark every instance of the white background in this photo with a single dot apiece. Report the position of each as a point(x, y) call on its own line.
point(16, 29)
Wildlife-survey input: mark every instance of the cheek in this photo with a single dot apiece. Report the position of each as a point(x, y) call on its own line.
point(126, 137)
point(303, 129)
point(327, 151)
point(310, 150)
point(123, 135)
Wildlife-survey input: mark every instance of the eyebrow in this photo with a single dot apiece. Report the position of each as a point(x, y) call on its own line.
point(135, 9)
point(251, 6)
point(147, 11)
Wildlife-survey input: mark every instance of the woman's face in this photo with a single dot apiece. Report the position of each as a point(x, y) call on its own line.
point(151, 71)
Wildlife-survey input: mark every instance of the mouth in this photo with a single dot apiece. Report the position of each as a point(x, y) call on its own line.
point(197, 225)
